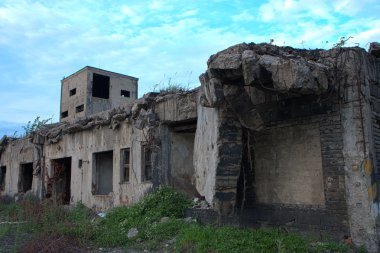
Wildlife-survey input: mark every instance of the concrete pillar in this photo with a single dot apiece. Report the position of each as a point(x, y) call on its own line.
point(352, 69)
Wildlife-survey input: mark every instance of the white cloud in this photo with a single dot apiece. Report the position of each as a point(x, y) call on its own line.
point(243, 17)
point(134, 17)
point(41, 43)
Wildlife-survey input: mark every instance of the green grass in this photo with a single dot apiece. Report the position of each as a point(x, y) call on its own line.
point(198, 238)
point(172, 234)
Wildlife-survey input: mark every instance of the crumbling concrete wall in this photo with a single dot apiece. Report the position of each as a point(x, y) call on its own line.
point(15, 154)
point(83, 145)
point(262, 87)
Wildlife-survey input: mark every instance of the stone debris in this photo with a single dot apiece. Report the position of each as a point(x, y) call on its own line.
point(132, 233)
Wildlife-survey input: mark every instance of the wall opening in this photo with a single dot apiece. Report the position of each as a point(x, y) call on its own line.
point(100, 86)
point(25, 177)
point(64, 114)
point(125, 93)
point(73, 92)
point(60, 182)
point(3, 172)
point(146, 163)
point(79, 108)
point(125, 165)
point(102, 173)
point(181, 162)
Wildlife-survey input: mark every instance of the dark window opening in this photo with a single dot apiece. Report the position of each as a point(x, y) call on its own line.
point(102, 173)
point(125, 93)
point(3, 172)
point(64, 114)
point(147, 164)
point(101, 86)
point(73, 92)
point(26, 177)
point(79, 108)
point(125, 159)
point(60, 183)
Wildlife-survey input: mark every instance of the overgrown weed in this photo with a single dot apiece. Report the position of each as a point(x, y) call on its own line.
point(159, 220)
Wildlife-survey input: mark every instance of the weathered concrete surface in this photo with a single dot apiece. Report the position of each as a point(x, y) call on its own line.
point(270, 68)
point(82, 81)
point(206, 151)
point(16, 153)
point(217, 157)
point(82, 145)
point(288, 165)
point(274, 78)
point(182, 168)
point(358, 147)
point(177, 107)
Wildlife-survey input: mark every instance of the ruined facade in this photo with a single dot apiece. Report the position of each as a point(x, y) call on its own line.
point(275, 136)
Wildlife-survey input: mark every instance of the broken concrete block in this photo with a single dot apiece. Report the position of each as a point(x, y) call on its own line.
point(242, 106)
point(374, 49)
point(291, 75)
point(250, 67)
point(212, 91)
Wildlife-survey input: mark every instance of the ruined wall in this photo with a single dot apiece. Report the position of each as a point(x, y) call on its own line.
point(77, 98)
point(118, 82)
point(77, 81)
point(288, 165)
point(266, 88)
point(17, 153)
point(83, 145)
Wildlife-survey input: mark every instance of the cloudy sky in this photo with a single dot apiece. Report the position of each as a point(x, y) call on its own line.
point(154, 40)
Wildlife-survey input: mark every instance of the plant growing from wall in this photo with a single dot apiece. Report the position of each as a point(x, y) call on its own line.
point(37, 124)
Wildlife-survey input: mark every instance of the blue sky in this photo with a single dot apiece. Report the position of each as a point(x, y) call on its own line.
point(154, 40)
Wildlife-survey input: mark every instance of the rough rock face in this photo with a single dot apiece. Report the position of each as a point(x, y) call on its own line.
point(267, 67)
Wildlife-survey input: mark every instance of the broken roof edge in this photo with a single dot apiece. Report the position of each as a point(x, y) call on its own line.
point(112, 118)
point(102, 70)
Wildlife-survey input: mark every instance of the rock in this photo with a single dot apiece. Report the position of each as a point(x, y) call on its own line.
point(151, 117)
point(374, 49)
point(170, 242)
point(290, 75)
point(242, 106)
point(250, 68)
point(164, 219)
point(189, 220)
point(140, 120)
point(227, 65)
point(132, 233)
point(212, 91)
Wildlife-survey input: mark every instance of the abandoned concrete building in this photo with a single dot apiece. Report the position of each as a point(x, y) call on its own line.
point(277, 137)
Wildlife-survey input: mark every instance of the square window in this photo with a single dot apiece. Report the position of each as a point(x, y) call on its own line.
point(73, 92)
point(100, 86)
point(79, 108)
point(125, 93)
point(64, 114)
